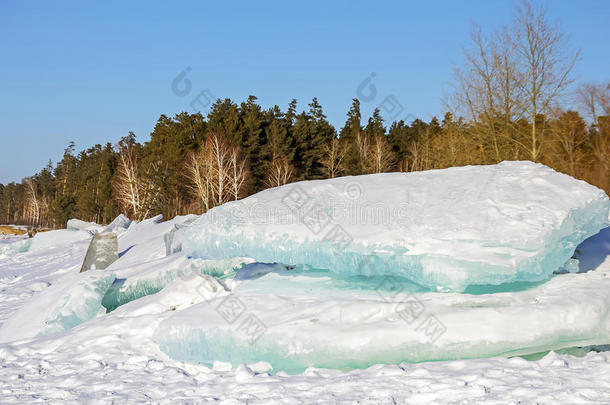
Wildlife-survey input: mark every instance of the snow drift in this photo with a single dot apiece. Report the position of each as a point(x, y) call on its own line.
point(201, 291)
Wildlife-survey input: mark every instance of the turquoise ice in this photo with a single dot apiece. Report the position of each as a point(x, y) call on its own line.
point(446, 230)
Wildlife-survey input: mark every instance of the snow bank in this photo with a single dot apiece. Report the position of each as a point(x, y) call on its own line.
point(77, 240)
point(307, 316)
point(73, 300)
point(444, 229)
point(79, 225)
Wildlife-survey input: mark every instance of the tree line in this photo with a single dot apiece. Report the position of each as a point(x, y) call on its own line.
point(506, 105)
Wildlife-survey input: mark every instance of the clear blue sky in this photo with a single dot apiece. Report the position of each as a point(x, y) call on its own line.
point(91, 72)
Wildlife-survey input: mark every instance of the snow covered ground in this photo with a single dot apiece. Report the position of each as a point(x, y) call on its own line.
point(142, 330)
point(114, 358)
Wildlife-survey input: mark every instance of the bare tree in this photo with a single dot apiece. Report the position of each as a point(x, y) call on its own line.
point(333, 160)
point(545, 65)
point(487, 89)
point(595, 97)
point(280, 172)
point(414, 161)
point(520, 72)
point(239, 173)
point(381, 156)
point(569, 135)
point(198, 170)
point(216, 172)
point(362, 144)
point(134, 193)
point(220, 156)
point(32, 203)
point(478, 85)
point(125, 182)
point(508, 85)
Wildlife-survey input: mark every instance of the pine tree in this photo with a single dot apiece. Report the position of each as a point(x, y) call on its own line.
point(352, 138)
point(253, 140)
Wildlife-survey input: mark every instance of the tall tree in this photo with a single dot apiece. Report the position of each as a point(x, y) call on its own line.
point(354, 141)
point(135, 189)
point(519, 73)
point(545, 64)
point(253, 140)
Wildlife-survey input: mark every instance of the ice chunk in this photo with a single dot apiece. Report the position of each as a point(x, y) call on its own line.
point(102, 252)
point(173, 239)
point(14, 246)
point(294, 329)
point(256, 270)
point(58, 239)
point(178, 294)
point(144, 241)
point(76, 241)
point(151, 277)
point(443, 229)
point(118, 224)
point(157, 219)
point(71, 301)
point(314, 283)
point(571, 266)
point(79, 225)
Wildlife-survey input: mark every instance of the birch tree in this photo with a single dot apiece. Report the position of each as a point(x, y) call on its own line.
point(280, 172)
point(380, 156)
point(126, 185)
point(216, 173)
point(33, 205)
point(333, 159)
point(134, 190)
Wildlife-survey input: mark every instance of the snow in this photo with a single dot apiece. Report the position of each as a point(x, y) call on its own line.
point(161, 326)
point(51, 240)
point(78, 225)
point(443, 229)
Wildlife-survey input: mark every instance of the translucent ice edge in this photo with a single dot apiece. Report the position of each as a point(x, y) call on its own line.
point(12, 248)
point(74, 299)
point(206, 347)
point(130, 288)
point(447, 273)
point(305, 326)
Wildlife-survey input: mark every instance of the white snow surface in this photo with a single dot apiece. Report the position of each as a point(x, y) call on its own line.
point(79, 225)
point(118, 358)
point(444, 229)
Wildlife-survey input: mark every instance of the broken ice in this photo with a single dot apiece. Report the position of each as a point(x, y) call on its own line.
point(443, 229)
